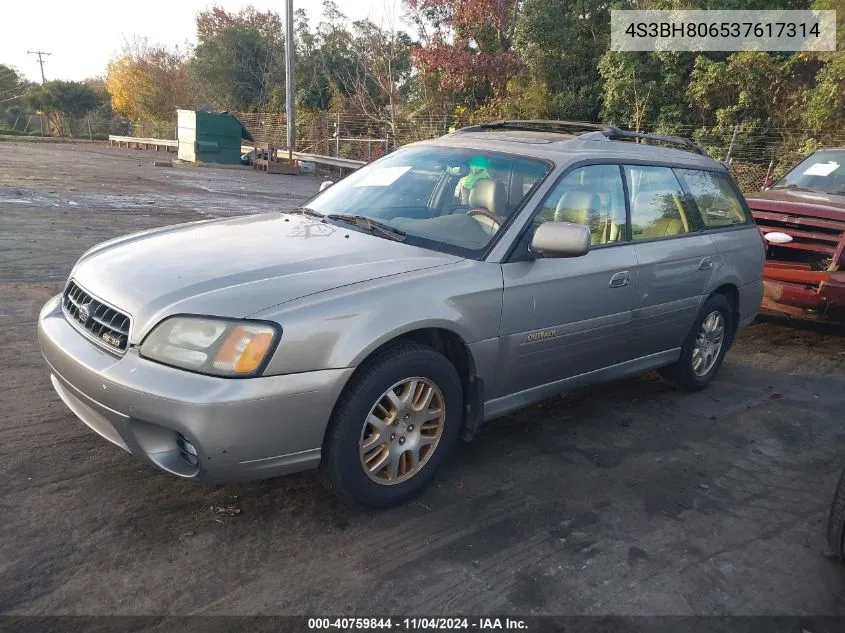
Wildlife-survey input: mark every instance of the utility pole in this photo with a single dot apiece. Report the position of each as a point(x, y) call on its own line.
point(40, 62)
point(290, 84)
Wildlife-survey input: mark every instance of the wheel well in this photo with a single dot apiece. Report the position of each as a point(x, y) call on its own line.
point(456, 352)
point(447, 343)
point(731, 293)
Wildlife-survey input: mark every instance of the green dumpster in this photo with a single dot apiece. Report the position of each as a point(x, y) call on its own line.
point(210, 137)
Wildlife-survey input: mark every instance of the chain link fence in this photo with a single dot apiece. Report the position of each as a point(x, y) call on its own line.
point(359, 137)
point(755, 154)
point(93, 127)
point(758, 154)
point(152, 129)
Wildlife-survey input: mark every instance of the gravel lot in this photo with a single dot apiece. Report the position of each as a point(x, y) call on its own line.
point(628, 498)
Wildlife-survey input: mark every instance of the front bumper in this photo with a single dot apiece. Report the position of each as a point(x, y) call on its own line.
point(796, 291)
point(241, 429)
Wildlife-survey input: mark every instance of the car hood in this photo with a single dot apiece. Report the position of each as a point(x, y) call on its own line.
point(238, 266)
point(801, 203)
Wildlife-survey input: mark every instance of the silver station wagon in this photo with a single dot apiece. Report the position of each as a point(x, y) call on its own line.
point(441, 286)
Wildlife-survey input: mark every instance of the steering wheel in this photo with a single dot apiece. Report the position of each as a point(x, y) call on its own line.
point(488, 220)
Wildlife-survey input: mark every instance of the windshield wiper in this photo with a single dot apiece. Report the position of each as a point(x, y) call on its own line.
point(368, 224)
point(307, 211)
point(793, 186)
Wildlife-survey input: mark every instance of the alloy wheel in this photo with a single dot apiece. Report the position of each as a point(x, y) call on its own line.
point(708, 343)
point(402, 431)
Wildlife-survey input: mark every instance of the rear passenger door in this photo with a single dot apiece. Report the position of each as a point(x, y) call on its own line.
point(726, 220)
point(674, 259)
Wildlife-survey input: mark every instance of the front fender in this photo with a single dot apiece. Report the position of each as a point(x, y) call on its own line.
point(342, 327)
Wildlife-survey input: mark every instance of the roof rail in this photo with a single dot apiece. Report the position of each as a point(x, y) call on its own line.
point(531, 125)
point(614, 133)
point(610, 132)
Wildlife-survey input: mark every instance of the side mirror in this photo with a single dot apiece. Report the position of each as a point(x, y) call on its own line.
point(326, 184)
point(561, 239)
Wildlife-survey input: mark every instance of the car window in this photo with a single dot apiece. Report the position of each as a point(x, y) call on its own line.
point(658, 205)
point(592, 196)
point(446, 196)
point(715, 197)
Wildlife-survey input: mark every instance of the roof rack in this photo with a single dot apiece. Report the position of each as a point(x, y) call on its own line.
point(531, 125)
point(610, 132)
point(613, 133)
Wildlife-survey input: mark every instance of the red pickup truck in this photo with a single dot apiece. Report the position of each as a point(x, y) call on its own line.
point(802, 218)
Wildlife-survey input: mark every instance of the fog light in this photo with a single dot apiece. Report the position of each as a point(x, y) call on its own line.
point(187, 450)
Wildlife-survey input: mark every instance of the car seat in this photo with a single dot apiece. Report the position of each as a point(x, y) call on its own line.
point(489, 194)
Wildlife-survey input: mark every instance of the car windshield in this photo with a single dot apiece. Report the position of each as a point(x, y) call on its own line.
point(441, 197)
point(823, 172)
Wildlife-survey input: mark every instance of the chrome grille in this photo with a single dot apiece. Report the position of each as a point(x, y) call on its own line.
point(100, 322)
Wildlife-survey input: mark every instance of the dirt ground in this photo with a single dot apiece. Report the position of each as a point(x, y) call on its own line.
point(628, 498)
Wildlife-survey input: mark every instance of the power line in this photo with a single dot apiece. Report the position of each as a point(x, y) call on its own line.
point(12, 98)
point(16, 86)
point(40, 62)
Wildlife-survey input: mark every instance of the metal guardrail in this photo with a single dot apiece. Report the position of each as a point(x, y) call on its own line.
point(139, 142)
point(147, 143)
point(332, 161)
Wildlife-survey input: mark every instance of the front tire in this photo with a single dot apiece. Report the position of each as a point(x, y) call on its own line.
point(394, 425)
point(705, 347)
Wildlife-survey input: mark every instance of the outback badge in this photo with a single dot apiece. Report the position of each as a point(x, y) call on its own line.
point(539, 336)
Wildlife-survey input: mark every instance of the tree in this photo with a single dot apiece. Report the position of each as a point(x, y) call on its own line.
point(333, 59)
point(560, 42)
point(63, 101)
point(312, 90)
point(375, 83)
point(466, 47)
point(825, 102)
point(239, 58)
point(640, 89)
point(148, 82)
point(12, 88)
point(750, 86)
point(666, 91)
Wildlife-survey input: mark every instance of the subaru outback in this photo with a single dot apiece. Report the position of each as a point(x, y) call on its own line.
point(444, 285)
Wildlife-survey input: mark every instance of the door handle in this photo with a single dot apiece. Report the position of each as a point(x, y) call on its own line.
point(706, 263)
point(620, 279)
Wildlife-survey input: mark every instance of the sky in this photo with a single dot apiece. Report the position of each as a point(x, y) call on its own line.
point(82, 35)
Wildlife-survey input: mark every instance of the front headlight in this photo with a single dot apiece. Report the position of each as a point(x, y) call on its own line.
point(218, 347)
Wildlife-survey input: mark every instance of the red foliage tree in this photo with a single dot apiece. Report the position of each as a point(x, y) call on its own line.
point(465, 44)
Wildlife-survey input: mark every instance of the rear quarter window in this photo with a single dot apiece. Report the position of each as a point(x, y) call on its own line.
point(715, 197)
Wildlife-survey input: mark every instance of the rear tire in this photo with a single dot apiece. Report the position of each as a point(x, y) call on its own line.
point(705, 347)
point(393, 427)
